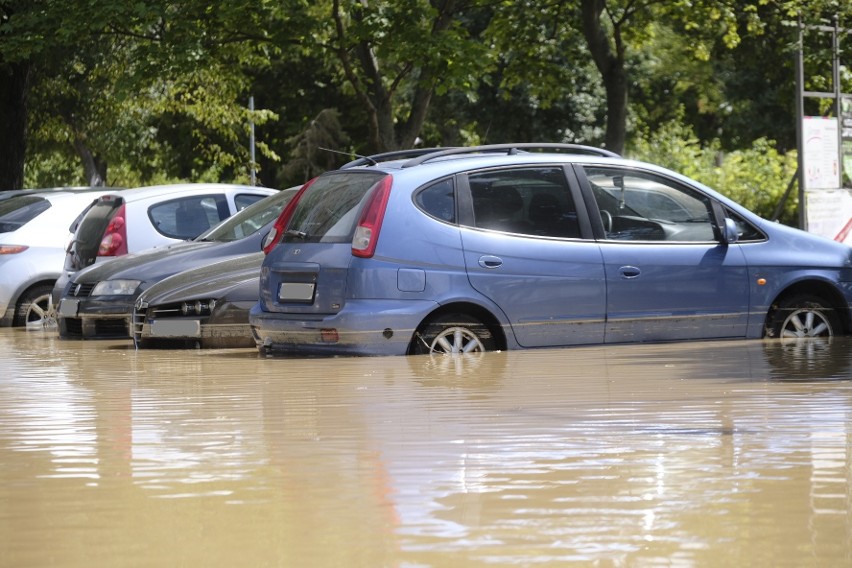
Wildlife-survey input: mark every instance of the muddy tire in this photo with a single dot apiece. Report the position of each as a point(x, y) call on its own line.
point(453, 333)
point(804, 315)
point(35, 308)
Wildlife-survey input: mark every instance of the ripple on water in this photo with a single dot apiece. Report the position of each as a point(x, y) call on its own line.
point(675, 454)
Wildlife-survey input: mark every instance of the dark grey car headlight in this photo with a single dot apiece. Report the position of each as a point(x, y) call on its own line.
point(116, 287)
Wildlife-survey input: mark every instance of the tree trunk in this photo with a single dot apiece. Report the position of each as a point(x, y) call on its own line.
point(429, 75)
point(615, 83)
point(385, 133)
point(610, 62)
point(14, 89)
point(94, 167)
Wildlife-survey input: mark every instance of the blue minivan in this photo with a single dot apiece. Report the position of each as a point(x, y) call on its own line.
point(533, 245)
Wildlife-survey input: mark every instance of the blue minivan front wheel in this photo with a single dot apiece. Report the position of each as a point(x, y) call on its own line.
point(453, 333)
point(803, 315)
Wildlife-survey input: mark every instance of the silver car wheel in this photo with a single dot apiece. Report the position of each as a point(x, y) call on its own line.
point(35, 309)
point(41, 313)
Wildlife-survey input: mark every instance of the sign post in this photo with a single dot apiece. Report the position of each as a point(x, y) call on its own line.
point(846, 141)
point(825, 149)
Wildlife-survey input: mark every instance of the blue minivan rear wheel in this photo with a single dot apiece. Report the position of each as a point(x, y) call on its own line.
point(453, 333)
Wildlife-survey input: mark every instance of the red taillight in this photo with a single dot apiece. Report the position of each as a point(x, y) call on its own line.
point(367, 230)
point(114, 241)
point(277, 230)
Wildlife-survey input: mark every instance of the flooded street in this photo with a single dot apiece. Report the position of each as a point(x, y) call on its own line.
point(693, 454)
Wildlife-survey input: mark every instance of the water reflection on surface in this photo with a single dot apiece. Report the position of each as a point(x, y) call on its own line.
point(696, 454)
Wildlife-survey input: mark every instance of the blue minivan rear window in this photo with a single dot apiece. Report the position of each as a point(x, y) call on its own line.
point(328, 210)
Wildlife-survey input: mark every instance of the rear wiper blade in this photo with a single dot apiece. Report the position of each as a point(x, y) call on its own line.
point(295, 233)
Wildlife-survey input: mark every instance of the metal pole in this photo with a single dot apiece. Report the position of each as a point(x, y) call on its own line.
point(800, 114)
point(251, 143)
point(838, 96)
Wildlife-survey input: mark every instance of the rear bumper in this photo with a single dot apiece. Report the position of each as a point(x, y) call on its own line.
point(363, 327)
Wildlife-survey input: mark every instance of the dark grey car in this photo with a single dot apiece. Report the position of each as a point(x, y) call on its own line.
point(203, 307)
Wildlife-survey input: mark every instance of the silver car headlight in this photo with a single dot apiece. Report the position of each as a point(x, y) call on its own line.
point(115, 287)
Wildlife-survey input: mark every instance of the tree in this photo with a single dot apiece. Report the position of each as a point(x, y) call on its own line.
point(314, 148)
point(540, 84)
point(157, 89)
point(735, 46)
point(16, 68)
point(396, 55)
point(615, 28)
point(14, 90)
point(106, 74)
point(609, 57)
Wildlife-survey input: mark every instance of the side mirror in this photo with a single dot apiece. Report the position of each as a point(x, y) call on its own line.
point(732, 233)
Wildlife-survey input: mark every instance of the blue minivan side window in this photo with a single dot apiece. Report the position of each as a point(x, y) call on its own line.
point(527, 201)
point(438, 200)
point(640, 206)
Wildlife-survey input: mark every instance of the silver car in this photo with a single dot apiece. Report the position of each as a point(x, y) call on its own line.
point(146, 217)
point(34, 232)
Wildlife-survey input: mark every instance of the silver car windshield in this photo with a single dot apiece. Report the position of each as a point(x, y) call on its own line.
point(249, 220)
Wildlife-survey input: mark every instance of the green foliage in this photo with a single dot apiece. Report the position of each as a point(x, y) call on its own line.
point(114, 79)
point(157, 90)
point(394, 56)
point(757, 176)
point(314, 149)
point(53, 168)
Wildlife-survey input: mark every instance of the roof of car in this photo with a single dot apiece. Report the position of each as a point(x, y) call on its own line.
point(47, 191)
point(75, 199)
point(136, 193)
point(434, 163)
point(417, 156)
point(90, 193)
point(447, 161)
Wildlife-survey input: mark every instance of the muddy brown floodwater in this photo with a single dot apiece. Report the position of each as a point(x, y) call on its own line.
point(693, 454)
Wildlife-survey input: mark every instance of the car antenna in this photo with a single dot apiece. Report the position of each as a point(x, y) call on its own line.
point(368, 159)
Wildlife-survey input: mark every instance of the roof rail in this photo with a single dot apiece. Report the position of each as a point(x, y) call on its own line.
point(393, 155)
point(511, 149)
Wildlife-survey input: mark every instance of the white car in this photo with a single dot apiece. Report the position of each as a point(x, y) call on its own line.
point(34, 232)
point(133, 220)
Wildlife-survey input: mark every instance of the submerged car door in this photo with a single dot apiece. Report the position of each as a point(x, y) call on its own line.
point(669, 276)
point(523, 250)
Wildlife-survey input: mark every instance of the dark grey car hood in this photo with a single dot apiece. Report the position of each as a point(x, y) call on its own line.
point(210, 281)
point(155, 264)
